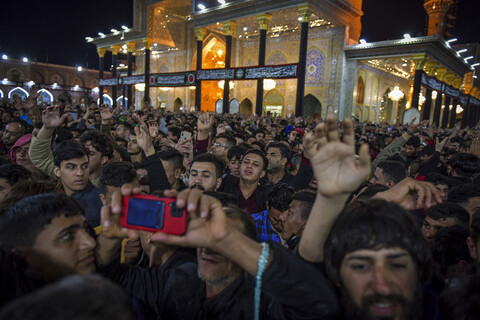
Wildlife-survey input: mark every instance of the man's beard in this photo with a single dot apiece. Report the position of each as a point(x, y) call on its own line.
point(411, 310)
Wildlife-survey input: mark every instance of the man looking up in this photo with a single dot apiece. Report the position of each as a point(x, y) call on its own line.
point(269, 222)
point(278, 155)
point(251, 192)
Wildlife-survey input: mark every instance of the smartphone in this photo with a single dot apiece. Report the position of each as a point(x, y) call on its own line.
point(151, 213)
point(389, 129)
point(185, 135)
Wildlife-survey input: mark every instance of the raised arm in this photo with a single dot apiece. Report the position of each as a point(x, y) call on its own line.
point(337, 173)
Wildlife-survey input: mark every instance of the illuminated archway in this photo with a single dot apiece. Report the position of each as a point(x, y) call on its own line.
point(44, 97)
point(275, 103)
point(1, 94)
point(120, 100)
point(213, 55)
point(20, 91)
point(106, 99)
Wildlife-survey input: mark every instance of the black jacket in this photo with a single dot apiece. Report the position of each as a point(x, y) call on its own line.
point(291, 289)
point(230, 185)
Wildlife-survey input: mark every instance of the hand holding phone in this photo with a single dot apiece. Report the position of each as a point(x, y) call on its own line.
point(151, 213)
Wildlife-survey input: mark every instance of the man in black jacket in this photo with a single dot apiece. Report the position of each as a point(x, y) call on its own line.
point(221, 284)
point(250, 189)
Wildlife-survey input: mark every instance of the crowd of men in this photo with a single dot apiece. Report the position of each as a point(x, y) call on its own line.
point(291, 218)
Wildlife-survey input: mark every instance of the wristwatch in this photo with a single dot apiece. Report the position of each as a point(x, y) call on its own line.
point(408, 132)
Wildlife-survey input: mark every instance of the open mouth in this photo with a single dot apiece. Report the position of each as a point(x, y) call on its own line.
point(383, 308)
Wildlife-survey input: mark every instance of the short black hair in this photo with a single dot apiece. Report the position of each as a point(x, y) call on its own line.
point(231, 142)
point(437, 178)
point(371, 190)
point(127, 126)
point(295, 160)
point(225, 198)
point(261, 154)
point(67, 150)
point(208, 157)
point(99, 141)
point(462, 193)
point(173, 156)
point(259, 144)
point(374, 224)
point(115, 174)
point(14, 173)
point(236, 152)
point(413, 141)
point(306, 199)
point(73, 297)
point(235, 212)
point(25, 220)
point(280, 196)
point(284, 150)
point(465, 164)
point(176, 131)
point(449, 210)
point(393, 170)
point(449, 246)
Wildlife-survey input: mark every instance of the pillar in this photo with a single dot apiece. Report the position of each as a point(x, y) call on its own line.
point(263, 20)
point(148, 43)
point(436, 11)
point(101, 66)
point(427, 106)
point(419, 61)
point(115, 49)
point(446, 111)
point(229, 27)
point(453, 113)
point(438, 109)
point(200, 34)
point(305, 13)
point(130, 47)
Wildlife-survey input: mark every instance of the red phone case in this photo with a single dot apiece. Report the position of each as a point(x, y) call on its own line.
point(171, 225)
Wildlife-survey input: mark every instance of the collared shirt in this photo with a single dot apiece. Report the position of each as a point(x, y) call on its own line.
point(264, 228)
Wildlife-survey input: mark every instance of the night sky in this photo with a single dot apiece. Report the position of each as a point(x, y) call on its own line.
point(35, 29)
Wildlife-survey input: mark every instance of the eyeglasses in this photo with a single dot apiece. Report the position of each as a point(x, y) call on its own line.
point(218, 145)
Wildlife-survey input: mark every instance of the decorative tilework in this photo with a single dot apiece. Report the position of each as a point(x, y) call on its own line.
point(315, 68)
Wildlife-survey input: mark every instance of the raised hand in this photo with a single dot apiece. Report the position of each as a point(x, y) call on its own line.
point(414, 128)
point(51, 117)
point(33, 93)
point(412, 194)
point(106, 113)
point(207, 225)
point(144, 140)
point(333, 160)
point(153, 128)
point(440, 144)
point(205, 122)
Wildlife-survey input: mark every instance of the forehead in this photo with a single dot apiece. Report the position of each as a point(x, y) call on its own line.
point(13, 126)
point(445, 222)
point(253, 157)
point(274, 150)
point(60, 223)
point(377, 255)
point(203, 166)
point(77, 161)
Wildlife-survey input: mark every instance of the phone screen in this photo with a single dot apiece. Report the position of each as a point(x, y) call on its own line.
point(146, 213)
point(185, 135)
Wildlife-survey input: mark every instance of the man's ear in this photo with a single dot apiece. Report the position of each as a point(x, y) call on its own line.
point(472, 248)
point(284, 161)
point(56, 171)
point(263, 174)
point(104, 160)
point(177, 173)
point(219, 183)
point(390, 184)
point(103, 199)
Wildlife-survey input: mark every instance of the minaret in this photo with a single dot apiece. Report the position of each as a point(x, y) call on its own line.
point(436, 11)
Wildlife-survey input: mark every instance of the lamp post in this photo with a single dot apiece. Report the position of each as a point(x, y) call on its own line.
point(395, 95)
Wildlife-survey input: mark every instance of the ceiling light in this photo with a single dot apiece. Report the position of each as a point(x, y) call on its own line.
point(476, 64)
point(468, 58)
point(245, 28)
point(363, 41)
point(25, 59)
point(221, 1)
point(101, 34)
point(89, 39)
point(79, 68)
point(4, 57)
point(201, 6)
point(125, 28)
point(452, 40)
point(462, 51)
point(406, 36)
